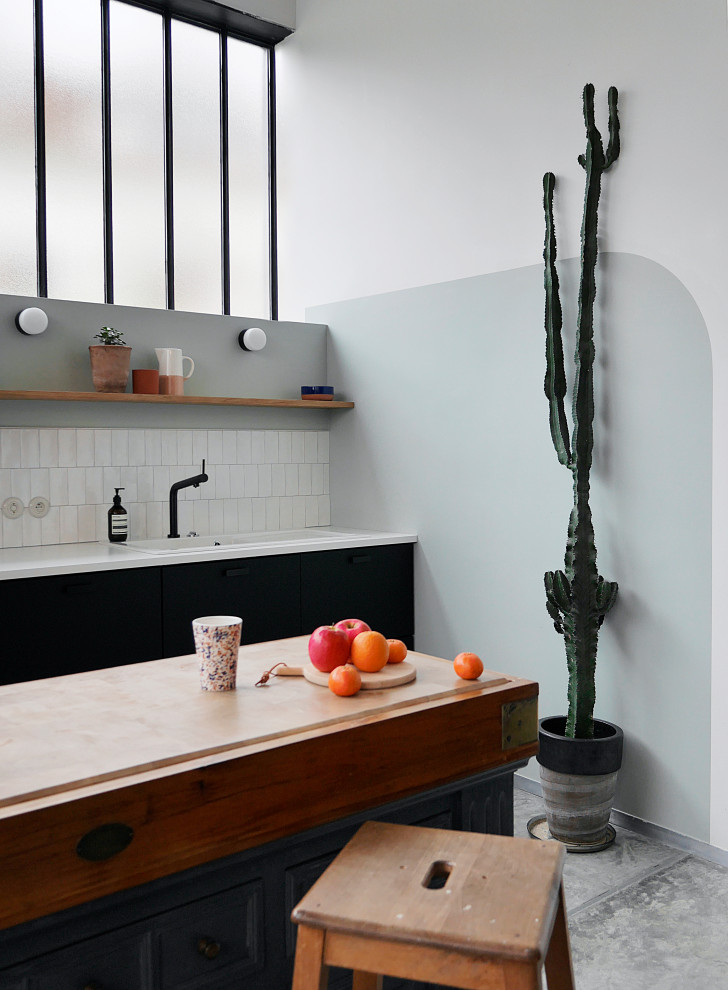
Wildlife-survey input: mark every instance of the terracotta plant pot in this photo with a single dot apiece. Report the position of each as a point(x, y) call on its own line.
point(110, 366)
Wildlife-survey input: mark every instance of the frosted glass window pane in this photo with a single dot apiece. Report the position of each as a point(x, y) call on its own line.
point(248, 164)
point(17, 151)
point(74, 149)
point(137, 142)
point(196, 162)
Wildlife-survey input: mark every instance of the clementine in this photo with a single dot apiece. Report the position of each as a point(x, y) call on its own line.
point(369, 651)
point(397, 651)
point(469, 666)
point(344, 680)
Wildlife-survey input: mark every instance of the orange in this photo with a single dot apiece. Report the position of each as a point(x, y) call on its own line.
point(344, 680)
point(369, 651)
point(469, 666)
point(397, 650)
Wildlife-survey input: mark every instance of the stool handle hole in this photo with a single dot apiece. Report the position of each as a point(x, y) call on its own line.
point(437, 875)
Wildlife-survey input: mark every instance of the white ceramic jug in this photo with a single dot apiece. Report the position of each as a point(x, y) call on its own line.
point(171, 377)
point(170, 361)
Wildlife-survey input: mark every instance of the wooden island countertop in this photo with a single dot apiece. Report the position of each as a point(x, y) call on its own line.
point(196, 776)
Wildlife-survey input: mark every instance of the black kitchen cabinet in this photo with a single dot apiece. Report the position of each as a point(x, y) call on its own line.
point(65, 624)
point(74, 622)
point(264, 591)
point(370, 583)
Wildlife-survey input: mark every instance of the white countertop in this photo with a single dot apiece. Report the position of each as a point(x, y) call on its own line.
point(73, 558)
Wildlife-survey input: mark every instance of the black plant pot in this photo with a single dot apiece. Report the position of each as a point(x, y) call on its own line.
point(602, 754)
point(579, 779)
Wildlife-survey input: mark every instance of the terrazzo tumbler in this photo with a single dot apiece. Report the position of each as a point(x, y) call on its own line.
point(217, 640)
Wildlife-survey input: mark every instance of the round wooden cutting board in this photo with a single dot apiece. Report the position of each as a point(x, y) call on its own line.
point(391, 675)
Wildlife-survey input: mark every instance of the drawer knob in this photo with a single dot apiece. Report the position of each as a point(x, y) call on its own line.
point(208, 948)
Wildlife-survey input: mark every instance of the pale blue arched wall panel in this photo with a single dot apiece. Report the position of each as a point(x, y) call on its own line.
point(450, 438)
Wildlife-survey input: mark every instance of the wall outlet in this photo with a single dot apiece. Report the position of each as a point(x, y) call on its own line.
point(12, 507)
point(38, 506)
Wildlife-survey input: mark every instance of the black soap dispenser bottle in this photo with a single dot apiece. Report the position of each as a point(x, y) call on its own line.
point(118, 520)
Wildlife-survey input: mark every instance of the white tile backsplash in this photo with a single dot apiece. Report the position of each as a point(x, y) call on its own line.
point(136, 448)
point(84, 448)
point(310, 447)
point(58, 495)
point(257, 446)
point(29, 449)
point(259, 480)
point(102, 448)
point(66, 448)
point(244, 444)
point(49, 447)
point(10, 448)
point(230, 447)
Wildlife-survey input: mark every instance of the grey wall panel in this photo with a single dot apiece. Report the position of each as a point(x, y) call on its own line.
point(58, 360)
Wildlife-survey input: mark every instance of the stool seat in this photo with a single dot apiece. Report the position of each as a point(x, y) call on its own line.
point(460, 908)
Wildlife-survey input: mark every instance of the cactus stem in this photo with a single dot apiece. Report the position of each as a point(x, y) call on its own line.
point(578, 598)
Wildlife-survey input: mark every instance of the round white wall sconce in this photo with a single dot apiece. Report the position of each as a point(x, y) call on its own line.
point(252, 339)
point(31, 321)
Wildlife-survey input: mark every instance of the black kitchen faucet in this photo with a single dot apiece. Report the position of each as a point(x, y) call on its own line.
point(194, 482)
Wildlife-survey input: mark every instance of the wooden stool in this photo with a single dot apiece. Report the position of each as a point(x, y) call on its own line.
point(459, 908)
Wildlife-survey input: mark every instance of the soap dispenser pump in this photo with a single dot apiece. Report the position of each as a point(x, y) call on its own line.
point(118, 520)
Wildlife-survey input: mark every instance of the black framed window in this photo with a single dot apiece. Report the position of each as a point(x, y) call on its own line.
point(137, 154)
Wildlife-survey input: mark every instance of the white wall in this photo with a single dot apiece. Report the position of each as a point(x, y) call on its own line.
point(413, 136)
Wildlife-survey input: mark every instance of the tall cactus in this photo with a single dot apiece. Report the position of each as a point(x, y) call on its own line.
point(578, 598)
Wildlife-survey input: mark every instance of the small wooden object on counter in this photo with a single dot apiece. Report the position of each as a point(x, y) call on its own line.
point(199, 775)
point(391, 675)
point(425, 904)
point(388, 677)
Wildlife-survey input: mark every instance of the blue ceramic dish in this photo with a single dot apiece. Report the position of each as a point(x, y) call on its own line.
point(317, 391)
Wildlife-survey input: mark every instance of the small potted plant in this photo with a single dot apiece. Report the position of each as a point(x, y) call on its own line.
point(110, 361)
point(579, 755)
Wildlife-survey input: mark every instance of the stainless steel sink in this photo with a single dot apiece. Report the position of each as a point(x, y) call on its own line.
point(193, 544)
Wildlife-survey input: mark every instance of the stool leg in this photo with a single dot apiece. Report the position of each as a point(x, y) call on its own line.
point(309, 970)
point(559, 970)
point(366, 981)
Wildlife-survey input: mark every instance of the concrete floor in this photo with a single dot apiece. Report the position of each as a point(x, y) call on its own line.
point(642, 915)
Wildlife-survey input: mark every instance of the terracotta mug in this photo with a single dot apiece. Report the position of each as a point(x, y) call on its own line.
point(145, 381)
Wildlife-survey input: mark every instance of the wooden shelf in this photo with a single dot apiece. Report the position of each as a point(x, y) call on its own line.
point(189, 400)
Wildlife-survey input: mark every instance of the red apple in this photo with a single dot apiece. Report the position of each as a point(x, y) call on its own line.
point(328, 647)
point(352, 627)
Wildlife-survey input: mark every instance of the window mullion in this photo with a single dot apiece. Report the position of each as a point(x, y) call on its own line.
point(40, 152)
point(224, 175)
point(106, 137)
point(272, 196)
point(168, 159)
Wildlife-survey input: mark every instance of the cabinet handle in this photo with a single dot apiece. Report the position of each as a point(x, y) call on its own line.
point(361, 558)
point(208, 948)
point(79, 589)
point(104, 841)
point(237, 571)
